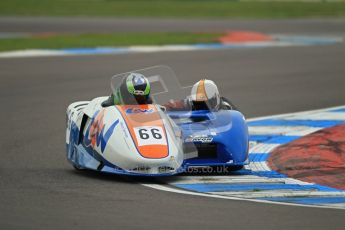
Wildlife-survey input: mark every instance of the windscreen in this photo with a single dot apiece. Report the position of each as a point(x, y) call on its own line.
point(164, 84)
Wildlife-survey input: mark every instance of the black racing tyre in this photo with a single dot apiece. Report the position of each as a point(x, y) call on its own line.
point(77, 167)
point(234, 168)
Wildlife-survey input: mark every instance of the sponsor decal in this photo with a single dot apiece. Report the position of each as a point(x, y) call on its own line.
point(95, 135)
point(124, 129)
point(138, 110)
point(125, 132)
point(201, 138)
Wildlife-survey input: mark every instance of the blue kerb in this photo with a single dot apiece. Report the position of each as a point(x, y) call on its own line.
point(95, 50)
point(252, 187)
point(258, 157)
point(273, 139)
point(338, 111)
point(308, 200)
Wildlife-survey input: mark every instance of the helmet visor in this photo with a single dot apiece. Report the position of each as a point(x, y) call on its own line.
point(210, 104)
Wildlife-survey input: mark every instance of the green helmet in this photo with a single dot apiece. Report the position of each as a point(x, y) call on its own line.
point(135, 89)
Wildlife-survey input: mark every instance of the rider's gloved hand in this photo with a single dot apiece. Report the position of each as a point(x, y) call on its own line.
point(175, 105)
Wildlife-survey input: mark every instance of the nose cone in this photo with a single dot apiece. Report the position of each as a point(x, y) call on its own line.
point(146, 129)
point(123, 153)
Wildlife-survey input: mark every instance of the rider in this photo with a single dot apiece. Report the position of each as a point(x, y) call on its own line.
point(133, 90)
point(204, 96)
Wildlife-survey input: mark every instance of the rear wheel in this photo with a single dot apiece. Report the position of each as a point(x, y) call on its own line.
point(233, 168)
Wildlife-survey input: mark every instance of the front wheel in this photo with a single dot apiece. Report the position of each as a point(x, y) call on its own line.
point(78, 168)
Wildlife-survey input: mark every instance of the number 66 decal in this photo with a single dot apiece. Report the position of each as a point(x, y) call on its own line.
point(150, 135)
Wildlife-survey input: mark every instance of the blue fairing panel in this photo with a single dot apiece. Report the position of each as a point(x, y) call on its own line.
point(227, 128)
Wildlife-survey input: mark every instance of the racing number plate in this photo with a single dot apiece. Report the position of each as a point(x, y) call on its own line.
point(150, 135)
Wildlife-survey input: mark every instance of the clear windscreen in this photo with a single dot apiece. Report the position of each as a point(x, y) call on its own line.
point(164, 84)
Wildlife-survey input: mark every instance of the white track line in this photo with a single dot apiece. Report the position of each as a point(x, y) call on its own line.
point(282, 130)
point(319, 116)
point(31, 53)
point(296, 113)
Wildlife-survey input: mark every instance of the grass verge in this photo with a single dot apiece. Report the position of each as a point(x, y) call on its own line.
point(51, 41)
point(175, 8)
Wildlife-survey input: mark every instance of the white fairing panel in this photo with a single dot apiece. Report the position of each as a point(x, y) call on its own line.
point(107, 132)
point(74, 114)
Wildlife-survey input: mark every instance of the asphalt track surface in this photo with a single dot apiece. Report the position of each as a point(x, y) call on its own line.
point(40, 190)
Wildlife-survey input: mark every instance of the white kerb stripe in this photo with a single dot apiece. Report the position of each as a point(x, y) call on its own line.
point(282, 130)
point(262, 148)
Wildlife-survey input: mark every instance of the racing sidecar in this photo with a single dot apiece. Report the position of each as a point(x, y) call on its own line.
point(148, 140)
